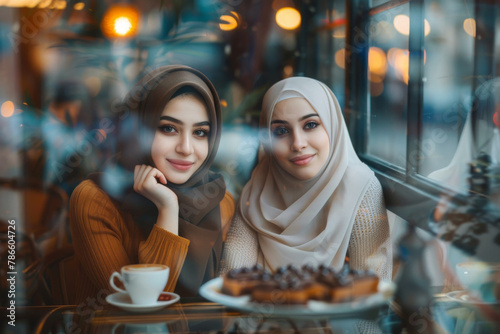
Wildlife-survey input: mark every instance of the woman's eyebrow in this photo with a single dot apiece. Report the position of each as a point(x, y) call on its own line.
point(177, 121)
point(307, 116)
point(171, 119)
point(301, 119)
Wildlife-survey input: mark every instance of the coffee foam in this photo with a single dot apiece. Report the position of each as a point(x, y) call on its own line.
point(144, 267)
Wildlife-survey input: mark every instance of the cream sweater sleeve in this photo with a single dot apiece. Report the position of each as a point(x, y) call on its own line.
point(241, 246)
point(370, 245)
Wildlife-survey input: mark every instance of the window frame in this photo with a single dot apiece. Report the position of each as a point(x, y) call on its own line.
point(409, 195)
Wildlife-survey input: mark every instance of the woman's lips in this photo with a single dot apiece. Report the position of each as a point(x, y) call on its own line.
point(180, 164)
point(303, 159)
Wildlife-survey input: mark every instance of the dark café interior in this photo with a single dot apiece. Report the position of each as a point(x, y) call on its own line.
point(410, 170)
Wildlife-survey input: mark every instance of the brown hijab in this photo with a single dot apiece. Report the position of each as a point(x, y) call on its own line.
point(199, 197)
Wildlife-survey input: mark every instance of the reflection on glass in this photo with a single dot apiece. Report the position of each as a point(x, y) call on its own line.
point(330, 64)
point(388, 79)
point(448, 79)
point(480, 135)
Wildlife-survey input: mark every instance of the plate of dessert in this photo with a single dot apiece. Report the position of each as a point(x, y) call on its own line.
point(296, 292)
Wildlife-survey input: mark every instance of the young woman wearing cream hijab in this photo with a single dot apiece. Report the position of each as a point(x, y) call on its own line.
point(310, 200)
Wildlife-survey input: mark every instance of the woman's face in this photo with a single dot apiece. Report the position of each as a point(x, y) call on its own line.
point(299, 140)
point(180, 144)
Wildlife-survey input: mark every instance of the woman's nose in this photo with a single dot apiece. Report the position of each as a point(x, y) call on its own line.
point(184, 146)
point(299, 141)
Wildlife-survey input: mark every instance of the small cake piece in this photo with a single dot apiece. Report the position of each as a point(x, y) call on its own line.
point(364, 282)
point(241, 281)
point(317, 290)
point(338, 286)
point(282, 290)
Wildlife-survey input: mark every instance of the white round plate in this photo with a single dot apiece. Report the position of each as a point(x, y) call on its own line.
point(211, 290)
point(122, 300)
point(465, 298)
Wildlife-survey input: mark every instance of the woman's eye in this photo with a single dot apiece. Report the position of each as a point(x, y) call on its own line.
point(311, 125)
point(166, 128)
point(280, 131)
point(201, 133)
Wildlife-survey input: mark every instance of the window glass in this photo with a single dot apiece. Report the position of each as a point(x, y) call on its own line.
point(388, 85)
point(379, 2)
point(447, 145)
point(330, 21)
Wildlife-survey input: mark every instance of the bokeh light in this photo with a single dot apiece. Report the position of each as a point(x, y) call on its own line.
point(7, 109)
point(288, 71)
point(79, 6)
point(120, 21)
point(402, 24)
point(377, 61)
point(229, 22)
point(288, 18)
point(470, 27)
point(340, 58)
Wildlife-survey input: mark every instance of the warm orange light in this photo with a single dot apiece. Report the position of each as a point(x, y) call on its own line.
point(223, 103)
point(79, 6)
point(120, 21)
point(288, 18)
point(287, 71)
point(402, 65)
point(340, 58)
point(470, 27)
point(229, 22)
point(399, 59)
point(7, 109)
point(377, 61)
point(372, 77)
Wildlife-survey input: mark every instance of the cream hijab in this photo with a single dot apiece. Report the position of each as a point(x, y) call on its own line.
point(305, 221)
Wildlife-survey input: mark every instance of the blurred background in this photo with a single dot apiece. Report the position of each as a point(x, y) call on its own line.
point(406, 87)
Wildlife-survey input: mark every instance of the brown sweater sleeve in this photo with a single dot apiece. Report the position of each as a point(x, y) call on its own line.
point(227, 208)
point(165, 248)
point(100, 238)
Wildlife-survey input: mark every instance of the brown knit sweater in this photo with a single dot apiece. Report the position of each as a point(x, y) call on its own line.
point(105, 239)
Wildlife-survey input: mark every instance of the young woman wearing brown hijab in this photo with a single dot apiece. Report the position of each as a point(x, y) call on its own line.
point(160, 203)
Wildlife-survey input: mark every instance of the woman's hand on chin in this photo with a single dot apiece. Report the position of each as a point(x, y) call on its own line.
point(150, 183)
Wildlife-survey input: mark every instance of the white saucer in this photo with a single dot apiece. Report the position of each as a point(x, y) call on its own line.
point(123, 301)
point(465, 298)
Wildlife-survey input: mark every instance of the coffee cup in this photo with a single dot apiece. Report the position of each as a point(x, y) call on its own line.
point(481, 279)
point(143, 282)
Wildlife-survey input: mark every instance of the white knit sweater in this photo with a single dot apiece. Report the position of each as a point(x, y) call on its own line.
point(370, 245)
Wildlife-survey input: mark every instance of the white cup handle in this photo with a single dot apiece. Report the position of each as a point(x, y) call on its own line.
point(111, 281)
